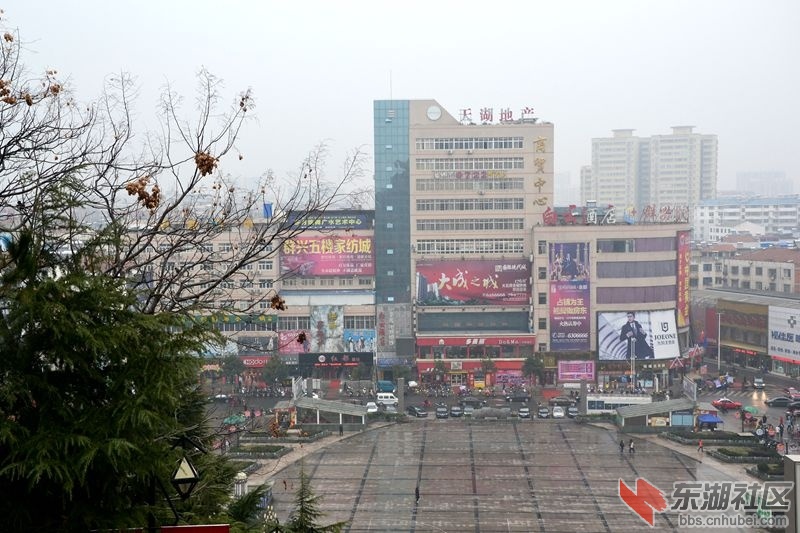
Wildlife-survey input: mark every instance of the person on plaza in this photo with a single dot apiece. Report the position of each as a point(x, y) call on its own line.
point(621, 446)
point(341, 430)
point(416, 494)
point(634, 336)
point(630, 447)
point(700, 446)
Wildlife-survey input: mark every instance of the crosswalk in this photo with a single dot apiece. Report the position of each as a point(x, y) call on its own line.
point(733, 393)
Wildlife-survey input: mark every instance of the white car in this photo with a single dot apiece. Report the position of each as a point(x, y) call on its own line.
point(558, 412)
point(372, 407)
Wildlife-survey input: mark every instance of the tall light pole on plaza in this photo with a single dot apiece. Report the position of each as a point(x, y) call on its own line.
point(633, 362)
point(719, 342)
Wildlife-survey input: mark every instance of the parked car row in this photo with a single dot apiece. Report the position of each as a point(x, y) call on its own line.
point(442, 411)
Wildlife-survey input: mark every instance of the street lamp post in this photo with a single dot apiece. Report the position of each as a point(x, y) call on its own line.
point(633, 362)
point(719, 342)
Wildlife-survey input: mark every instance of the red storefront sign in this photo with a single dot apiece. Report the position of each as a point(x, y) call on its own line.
point(523, 340)
point(468, 365)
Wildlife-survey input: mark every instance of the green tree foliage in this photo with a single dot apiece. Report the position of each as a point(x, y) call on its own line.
point(306, 514)
point(488, 366)
point(533, 366)
point(275, 370)
point(401, 372)
point(232, 366)
point(93, 396)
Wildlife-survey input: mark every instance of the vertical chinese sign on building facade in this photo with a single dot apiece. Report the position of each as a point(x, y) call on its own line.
point(684, 259)
point(569, 299)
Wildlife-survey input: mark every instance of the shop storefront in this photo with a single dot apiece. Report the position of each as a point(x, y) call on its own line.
point(481, 347)
point(470, 374)
point(333, 365)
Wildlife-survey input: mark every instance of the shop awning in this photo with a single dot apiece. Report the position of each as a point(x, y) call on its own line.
point(709, 419)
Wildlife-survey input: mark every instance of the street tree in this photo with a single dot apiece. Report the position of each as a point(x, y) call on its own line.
point(306, 514)
point(105, 270)
point(276, 370)
point(533, 366)
point(488, 366)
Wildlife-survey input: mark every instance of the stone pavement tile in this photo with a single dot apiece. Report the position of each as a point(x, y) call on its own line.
point(556, 476)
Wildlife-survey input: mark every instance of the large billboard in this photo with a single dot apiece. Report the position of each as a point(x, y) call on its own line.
point(569, 296)
point(478, 282)
point(648, 334)
point(288, 341)
point(576, 371)
point(327, 328)
point(359, 340)
point(784, 333)
point(684, 260)
point(328, 256)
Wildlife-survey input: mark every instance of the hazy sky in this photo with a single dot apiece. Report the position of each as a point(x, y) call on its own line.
point(728, 67)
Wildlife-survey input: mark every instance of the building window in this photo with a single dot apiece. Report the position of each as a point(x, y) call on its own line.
point(265, 265)
point(542, 272)
point(541, 247)
point(359, 322)
point(542, 347)
point(542, 298)
point(616, 246)
point(389, 208)
point(706, 268)
point(759, 272)
point(543, 323)
point(390, 272)
point(390, 251)
point(389, 225)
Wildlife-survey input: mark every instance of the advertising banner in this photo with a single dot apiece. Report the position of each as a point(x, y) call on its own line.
point(335, 359)
point(576, 370)
point(569, 296)
point(333, 220)
point(478, 282)
point(648, 334)
point(327, 328)
point(287, 342)
point(359, 340)
point(684, 259)
point(328, 256)
point(784, 333)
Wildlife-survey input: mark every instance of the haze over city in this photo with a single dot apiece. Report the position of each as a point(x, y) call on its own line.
point(315, 68)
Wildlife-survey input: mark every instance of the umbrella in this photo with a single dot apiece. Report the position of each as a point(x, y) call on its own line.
point(751, 409)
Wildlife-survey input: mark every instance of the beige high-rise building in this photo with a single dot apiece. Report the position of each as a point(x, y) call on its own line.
point(676, 170)
point(455, 200)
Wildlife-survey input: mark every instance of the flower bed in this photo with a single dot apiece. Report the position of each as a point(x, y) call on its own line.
point(714, 438)
point(263, 451)
point(745, 454)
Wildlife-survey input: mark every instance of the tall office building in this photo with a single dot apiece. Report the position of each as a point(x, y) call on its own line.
point(454, 204)
point(764, 183)
point(663, 171)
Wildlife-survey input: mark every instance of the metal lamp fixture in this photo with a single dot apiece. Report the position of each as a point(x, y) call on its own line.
point(185, 478)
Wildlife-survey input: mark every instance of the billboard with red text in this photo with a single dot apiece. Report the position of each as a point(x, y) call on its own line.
point(478, 282)
point(328, 256)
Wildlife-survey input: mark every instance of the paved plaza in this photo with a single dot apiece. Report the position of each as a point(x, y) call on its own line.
point(483, 476)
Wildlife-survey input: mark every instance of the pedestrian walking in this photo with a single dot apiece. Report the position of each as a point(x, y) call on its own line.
point(341, 430)
point(416, 494)
point(700, 446)
point(621, 446)
point(630, 447)
point(285, 486)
